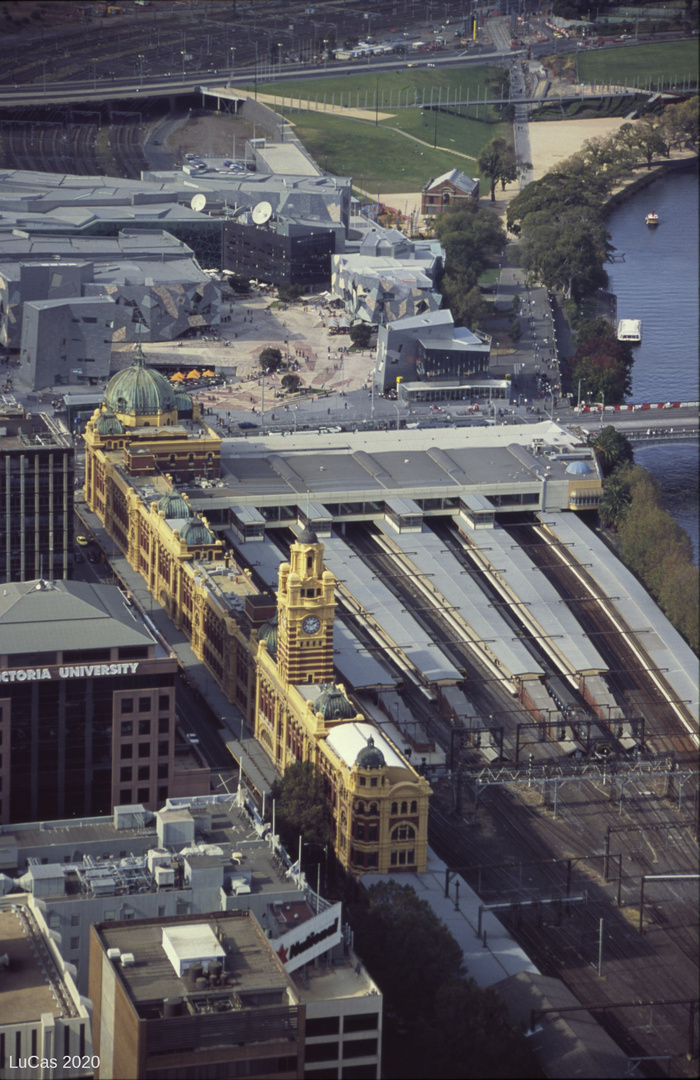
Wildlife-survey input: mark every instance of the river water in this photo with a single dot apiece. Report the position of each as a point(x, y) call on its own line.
point(658, 283)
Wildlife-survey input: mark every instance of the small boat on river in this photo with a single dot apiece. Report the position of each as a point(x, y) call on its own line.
point(652, 218)
point(630, 330)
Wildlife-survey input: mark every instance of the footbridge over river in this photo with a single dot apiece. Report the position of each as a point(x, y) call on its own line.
point(647, 424)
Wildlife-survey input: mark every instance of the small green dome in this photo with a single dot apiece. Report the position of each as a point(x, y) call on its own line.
point(139, 390)
point(268, 634)
point(184, 403)
point(332, 704)
point(108, 424)
point(370, 756)
point(195, 533)
point(307, 536)
point(174, 505)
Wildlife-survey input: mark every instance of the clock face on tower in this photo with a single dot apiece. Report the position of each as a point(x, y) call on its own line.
point(311, 624)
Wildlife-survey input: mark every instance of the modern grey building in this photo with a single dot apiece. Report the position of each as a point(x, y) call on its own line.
point(145, 286)
point(385, 276)
point(280, 251)
point(427, 352)
point(37, 472)
point(67, 342)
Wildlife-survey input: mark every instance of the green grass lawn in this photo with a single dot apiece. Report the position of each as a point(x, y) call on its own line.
point(671, 61)
point(375, 156)
point(358, 86)
point(465, 135)
point(378, 156)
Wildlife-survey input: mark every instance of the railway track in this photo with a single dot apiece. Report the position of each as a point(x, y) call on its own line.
point(629, 681)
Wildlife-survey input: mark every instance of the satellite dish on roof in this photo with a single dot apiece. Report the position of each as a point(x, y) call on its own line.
point(262, 213)
point(198, 202)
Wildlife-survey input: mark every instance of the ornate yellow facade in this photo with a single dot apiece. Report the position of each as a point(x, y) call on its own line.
point(187, 570)
point(379, 803)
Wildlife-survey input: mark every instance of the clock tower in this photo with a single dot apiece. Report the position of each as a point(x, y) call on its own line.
point(306, 608)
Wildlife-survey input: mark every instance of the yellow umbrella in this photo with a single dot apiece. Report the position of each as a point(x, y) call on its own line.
point(194, 374)
point(208, 374)
point(177, 377)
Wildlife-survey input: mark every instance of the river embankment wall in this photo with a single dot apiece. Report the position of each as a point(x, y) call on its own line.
point(637, 183)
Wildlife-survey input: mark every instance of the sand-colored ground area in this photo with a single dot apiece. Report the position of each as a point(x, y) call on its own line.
point(558, 139)
point(285, 104)
point(252, 323)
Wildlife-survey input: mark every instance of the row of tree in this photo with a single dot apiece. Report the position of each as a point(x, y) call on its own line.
point(601, 368)
point(438, 1022)
point(561, 217)
point(470, 237)
point(651, 543)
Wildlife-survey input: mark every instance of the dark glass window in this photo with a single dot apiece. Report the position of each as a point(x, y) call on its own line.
point(359, 1048)
point(144, 749)
point(360, 1022)
point(127, 726)
point(143, 795)
point(163, 747)
point(322, 1051)
point(163, 771)
point(144, 706)
point(125, 774)
point(144, 725)
point(326, 1025)
point(144, 772)
point(127, 751)
point(127, 705)
point(163, 725)
point(163, 702)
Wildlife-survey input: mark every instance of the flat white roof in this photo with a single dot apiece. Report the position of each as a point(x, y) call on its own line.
point(191, 942)
point(348, 739)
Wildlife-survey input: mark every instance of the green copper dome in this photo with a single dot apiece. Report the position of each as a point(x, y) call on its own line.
point(268, 634)
point(139, 390)
point(184, 403)
point(174, 505)
point(108, 424)
point(370, 756)
point(307, 536)
point(332, 704)
point(195, 533)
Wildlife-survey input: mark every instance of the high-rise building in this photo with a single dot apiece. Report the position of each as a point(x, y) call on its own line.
point(36, 497)
point(87, 704)
point(43, 1019)
point(224, 995)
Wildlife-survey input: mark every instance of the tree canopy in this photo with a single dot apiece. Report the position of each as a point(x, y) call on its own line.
point(654, 546)
point(601, 364)
point(438, 1022)
point(497, 161)
point(612, 449)
point(470, 236)
point(270, 359)
point(360, 334)
point(300, 806)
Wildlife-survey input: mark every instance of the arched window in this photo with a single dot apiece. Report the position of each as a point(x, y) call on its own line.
point(394, 808)
point(360, 808)
point(404, 807)
point(309, 562)
point(403, 832)
point(414, 807)
point(373, 808)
